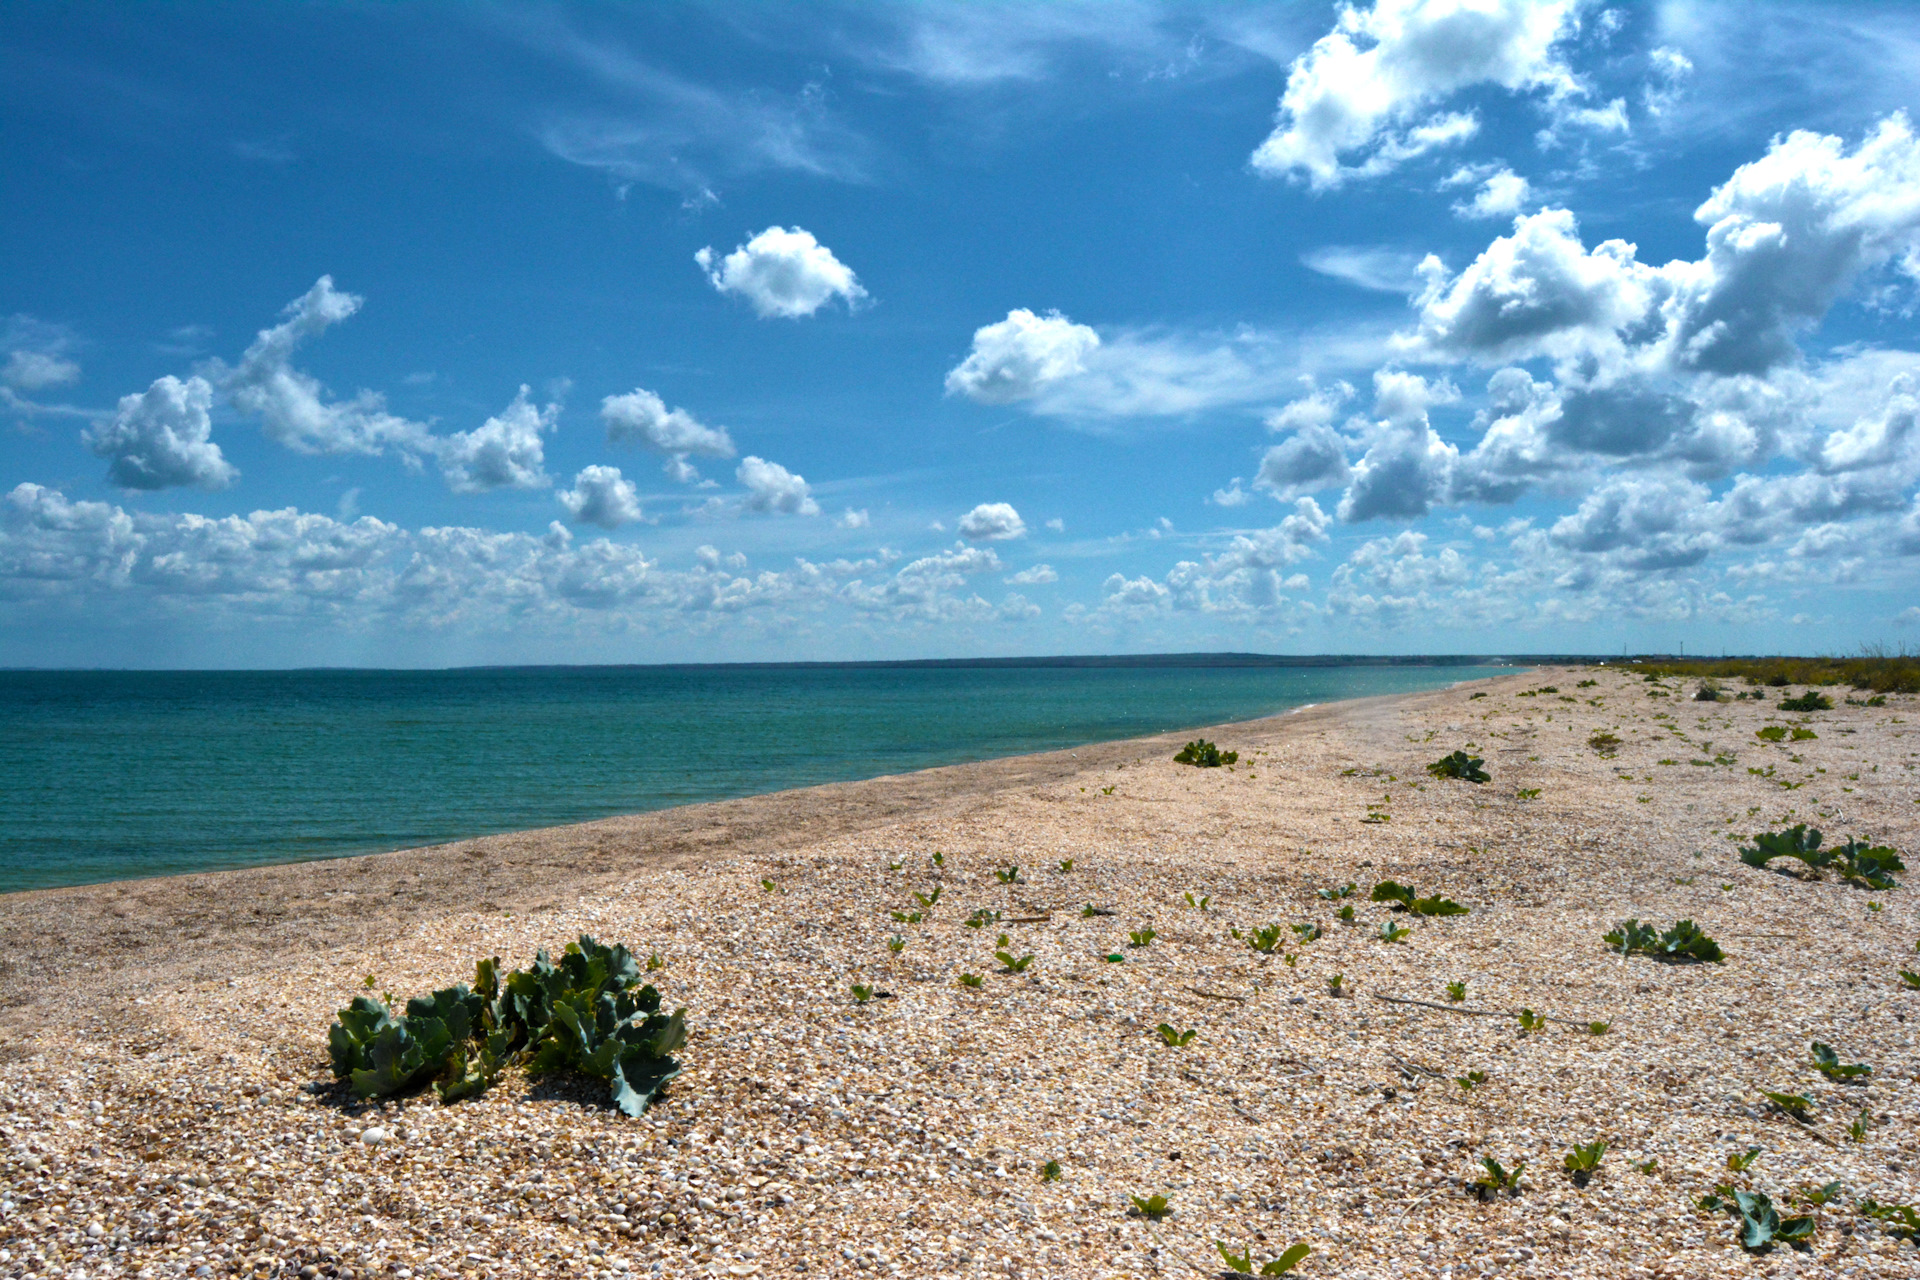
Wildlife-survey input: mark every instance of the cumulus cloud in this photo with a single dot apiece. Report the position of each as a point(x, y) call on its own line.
point(292, 406)
point(1033, 576)
point(1369, 87)
point(1501, 192)
point(1648, 522)
point(640, 417)
point(504, 452)
point(163, 438)
point(928, 589)
point(600, 496)
point(782, 272)
point(773, 489)
point(1314, 457)
point(992, 522)
point(1407, 468)
point(1016, 358)
point(852, 519)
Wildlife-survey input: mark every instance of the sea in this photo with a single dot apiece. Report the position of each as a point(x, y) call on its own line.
point(114, 775)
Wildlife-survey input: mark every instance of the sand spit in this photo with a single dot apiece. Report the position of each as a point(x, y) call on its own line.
point(165, 1106)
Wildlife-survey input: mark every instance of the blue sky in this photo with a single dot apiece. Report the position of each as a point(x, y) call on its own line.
point(355, 334)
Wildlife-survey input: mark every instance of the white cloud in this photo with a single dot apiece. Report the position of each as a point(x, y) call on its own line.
point(1406, 468)
point(37, 370)
point(784, 273)
point(1374, 267)
point(928, 588)
point(1502, 192)
point(504, 452)
point(1646, 522)
point(992, 522)
point(851, 519)
point(600, 496)
point(163, 438)
point(1368, 85)
point(1033, 576)
point(641, 417)
point(774, 489)
point(1057, 525)
point(292, 405)
point(1315, 455)
point(1231, 496)
point(1018, 357)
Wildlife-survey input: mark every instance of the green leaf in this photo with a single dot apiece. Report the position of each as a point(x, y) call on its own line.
point(1286, 1261)
point(972, 980)
point(1050, 1172)
point(1829, 1065)
point(1741, 1162)
point(1204, 755)
point(1793, 1104)
point(1531, 1021)
point(1391, 932)
point(1585, 1159)
point(1141, 937)
point(1460, 765)
point(1154, 1207)
point(1388, 891)
point(1456, 991)
point(1013, 965)
point(1175, 1039)
point(1471, 1081)
point(1240, 1263)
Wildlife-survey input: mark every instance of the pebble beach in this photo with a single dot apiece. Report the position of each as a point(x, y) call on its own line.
point(167, 1109)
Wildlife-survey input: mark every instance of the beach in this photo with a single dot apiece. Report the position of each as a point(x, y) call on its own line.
point(166, 1107)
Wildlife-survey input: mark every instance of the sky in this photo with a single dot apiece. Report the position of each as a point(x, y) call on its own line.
point(428, 335)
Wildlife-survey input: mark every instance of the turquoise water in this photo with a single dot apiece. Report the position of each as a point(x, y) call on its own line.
point(113, 775)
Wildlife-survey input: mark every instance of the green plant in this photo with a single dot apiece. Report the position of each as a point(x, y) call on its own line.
point(1175, 1039)
point(1497, 1179)
point(1649, 1166)
point(1141, 937)
point(1334, 985)
point(908, 917)
point(1309, 932)
point(928, 900)
point(1391, 932)
point(1859, 863)
point(1066, 865)
point(1050, 1171)
point(1604, 743)
point(1823, 1195)
point(1582, 1161)
point(1201, 903)
point(1471, 1081)
point(1456, 991)
point(1267, 937)
point(1344, 915)
point(1911, 978)
point(1808, 701)
point(861, 993)
point(1346, 890)
point(1860, 1126)
point(1799, 734)
point(1599, 1028)
point(1106, 790)
point(655, 963)
point(768, 886)
point(1531, 1021)
point(1527, 793)
point(981, 918)
point(1152, 1208)
point(1898, 1220)
point(1460, 765)
point(971, 981)
point(1204, 755)
point(1010, 876)
point(939, 859)
point(1828, 1064)
point(1772, 733)
point(583, 1014)
point(1242, 1263)
point(1759, 1224)
point(1793, 1104)
point(896, 944)
point(1684, 941)
point(1014, 965)
point(1401, 898)
point(1741, 1161)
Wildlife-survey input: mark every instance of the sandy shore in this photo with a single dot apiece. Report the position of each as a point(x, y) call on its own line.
point(166, 1109)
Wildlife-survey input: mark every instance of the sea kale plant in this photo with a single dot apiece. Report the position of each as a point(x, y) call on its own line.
point(1861, 864)
point(1402, 898)
point(1759, 1223)
point(586, 1014)
point(1684, 941)
point(1204, 755)
point(1460, 765)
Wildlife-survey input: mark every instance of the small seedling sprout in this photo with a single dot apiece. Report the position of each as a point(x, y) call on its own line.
point(862, 994)
point(1175, 1039)
point(1141, 937)
point(1152, 1208)
point(1050, 1171)
point(971, 980)
point(1456, 991)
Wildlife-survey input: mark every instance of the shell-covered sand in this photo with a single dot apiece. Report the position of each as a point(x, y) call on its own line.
point(166, 1107)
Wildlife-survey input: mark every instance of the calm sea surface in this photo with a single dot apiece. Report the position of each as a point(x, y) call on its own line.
point(111, 775)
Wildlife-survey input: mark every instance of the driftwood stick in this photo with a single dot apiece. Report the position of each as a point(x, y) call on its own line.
point(1215, 995)
point(1475, 1013)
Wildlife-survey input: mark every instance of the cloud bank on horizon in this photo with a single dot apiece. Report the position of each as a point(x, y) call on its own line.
point(1473, 325)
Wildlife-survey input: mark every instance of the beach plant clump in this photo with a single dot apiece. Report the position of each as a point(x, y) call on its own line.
point(1241, 1264)
point(1808, 701)
point(1402, 898)
point(1758, 1223)
point(586, 1014)
point(1202, 754)
point(1857, 862)
point(1684, 941)
point(1497, 1179)
point(1828, 1064)
point(1583, 1160)
point(1605, 743)
point(1462, 766)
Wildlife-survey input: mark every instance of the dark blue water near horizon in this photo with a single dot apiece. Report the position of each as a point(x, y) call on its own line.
point(109, 775)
